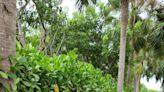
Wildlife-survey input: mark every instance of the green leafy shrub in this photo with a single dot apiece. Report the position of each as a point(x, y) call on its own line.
point(39, 73)
point(143, 88)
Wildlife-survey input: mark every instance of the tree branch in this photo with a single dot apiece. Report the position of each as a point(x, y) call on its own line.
point(21, 9)
point(44, 28)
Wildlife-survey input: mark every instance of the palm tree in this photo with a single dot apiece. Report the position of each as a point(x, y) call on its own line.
point(82, 3)
point(124, 23)
point(156, 44)
point(138, 39)
point(7, 37)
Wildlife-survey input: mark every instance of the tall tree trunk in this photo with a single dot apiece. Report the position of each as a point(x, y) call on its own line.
point(7, 37)
point(137, 83)
point(19, 23)
point(129, 77)
point(124, 23)
point(42, 45)
point(129, 74)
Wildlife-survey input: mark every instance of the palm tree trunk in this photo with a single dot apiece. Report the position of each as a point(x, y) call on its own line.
point(7, 37)
point(129, 73)
point(124, 23)
point(137, 83)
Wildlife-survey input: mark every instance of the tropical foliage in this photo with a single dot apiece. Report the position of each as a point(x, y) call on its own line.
point(56, 52)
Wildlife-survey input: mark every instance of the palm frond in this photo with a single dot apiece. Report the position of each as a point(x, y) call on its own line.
point(82, 3)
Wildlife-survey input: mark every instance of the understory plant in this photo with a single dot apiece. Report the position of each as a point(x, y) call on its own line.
point(36, 72)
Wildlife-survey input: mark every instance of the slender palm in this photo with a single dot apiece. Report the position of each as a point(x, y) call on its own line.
point(124, 23)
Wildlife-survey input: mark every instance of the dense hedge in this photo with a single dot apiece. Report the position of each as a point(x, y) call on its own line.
point(36, 72)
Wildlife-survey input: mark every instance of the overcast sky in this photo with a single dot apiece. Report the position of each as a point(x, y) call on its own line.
point(152, 84)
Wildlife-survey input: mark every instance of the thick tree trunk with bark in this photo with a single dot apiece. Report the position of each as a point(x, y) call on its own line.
point(7, 36)
point(124, 23)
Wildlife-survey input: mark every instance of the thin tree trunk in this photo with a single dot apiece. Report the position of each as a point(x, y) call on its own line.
point(7, 37)
point(52, 43)
point(19, 23)
point(129, 74)
point(42, 46)
point(21, 35)
point(124, 23)
point(137, 83)
point(60, 45)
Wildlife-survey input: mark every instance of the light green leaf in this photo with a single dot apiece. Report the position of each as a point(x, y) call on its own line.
point(4, 75)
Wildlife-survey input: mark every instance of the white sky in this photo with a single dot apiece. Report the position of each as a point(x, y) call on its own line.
point(70, 6)
point(152, 84)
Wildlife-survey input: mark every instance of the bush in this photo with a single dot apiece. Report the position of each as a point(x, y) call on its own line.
point(39, 73)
